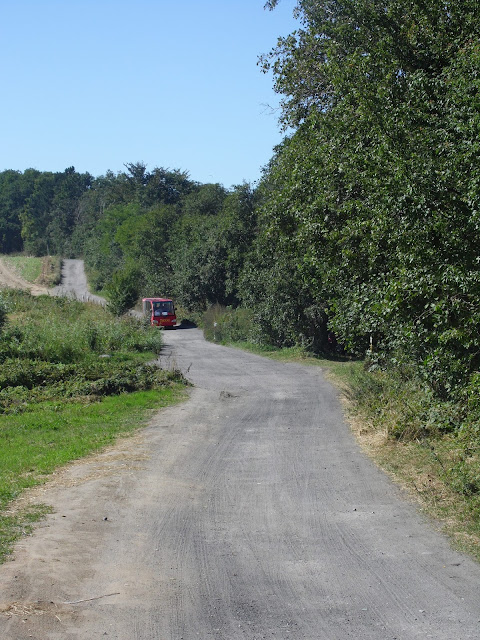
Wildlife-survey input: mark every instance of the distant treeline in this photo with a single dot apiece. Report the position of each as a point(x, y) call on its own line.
point(366, 220)
point(155, 232)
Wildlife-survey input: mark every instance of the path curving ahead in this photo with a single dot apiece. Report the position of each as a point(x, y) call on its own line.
point(247, 512)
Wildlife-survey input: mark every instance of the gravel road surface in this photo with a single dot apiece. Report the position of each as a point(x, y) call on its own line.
point(74, 283)
point(247, 512)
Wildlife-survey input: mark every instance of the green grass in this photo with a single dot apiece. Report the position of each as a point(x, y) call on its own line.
point(35, 443)
point(29, 268)
point(72, 379)
point(63, 331)
point(344, 367)
point(44, 271)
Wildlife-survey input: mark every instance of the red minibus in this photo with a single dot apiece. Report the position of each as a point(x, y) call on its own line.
point(160, 311)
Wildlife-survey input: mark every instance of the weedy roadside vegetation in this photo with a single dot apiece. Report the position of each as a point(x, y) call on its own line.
point(72, 378)
point(429, 445)
point(226, 324)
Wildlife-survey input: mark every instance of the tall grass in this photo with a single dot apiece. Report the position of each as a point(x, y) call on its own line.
point(63, 330)
point(225, 324)
point(72, 378)
point(55, 347)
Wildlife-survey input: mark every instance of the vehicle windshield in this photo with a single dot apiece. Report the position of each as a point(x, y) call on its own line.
point(164, 307)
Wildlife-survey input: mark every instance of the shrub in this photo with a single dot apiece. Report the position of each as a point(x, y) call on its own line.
point(224, 324)
point(3, 313)
point(123, 291)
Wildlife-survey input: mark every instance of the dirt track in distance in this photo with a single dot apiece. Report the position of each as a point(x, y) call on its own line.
point(74, 283)
point(10, 279)
point(247, 512)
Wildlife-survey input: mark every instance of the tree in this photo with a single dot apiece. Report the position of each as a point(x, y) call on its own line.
point(197, 259)
point(153, 245)
point(204, 200)
point(378, 187)
point(64, 211)
point(35, 215)
point(123, 290)
point(15, 188)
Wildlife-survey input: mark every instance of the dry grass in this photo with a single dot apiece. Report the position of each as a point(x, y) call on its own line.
point(50, 271)
point(418, 468)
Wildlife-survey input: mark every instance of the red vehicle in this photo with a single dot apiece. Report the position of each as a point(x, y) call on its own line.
point(160, 311)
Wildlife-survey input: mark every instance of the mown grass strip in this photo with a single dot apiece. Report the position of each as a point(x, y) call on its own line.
point(43, 271)
point(35, 443)
point(29, 268)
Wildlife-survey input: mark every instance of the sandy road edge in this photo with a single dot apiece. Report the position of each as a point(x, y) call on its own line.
point(10, 279)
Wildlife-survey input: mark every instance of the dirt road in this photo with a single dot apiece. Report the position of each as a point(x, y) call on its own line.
point(247, 512)
point(74, 283)
point(8, 278)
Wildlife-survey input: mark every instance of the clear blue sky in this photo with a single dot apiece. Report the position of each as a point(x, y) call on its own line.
point(174, 84)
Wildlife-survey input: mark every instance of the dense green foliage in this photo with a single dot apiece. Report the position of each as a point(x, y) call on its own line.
point(39, 210)
point(374, 199)
point(141, 233)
